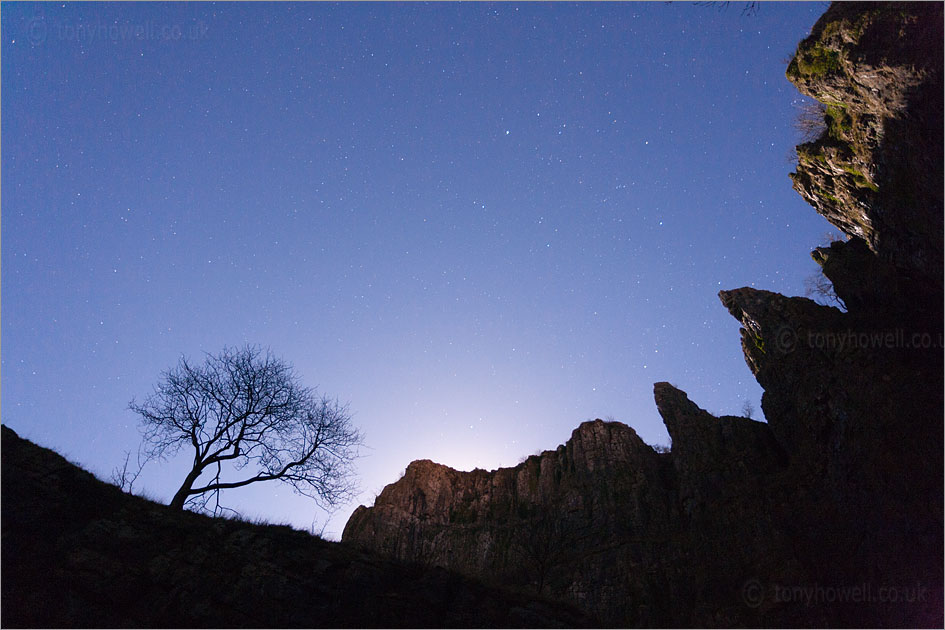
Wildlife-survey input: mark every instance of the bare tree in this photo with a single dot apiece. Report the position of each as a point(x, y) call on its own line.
point(248, 419)
point(542, 544)
point(748, 409)
point(748, 8)
point(810, 119)
point(125, 478)
point(819, 287)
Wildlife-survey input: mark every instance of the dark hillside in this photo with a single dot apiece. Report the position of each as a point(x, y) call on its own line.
point(78, 552)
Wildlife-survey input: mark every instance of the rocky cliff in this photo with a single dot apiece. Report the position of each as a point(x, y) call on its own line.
point(80, 553)
point(876, 171)
point(831, 512)
point(553, 522)
point(603, 520)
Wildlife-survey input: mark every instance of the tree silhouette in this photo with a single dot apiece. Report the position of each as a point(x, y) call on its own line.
point(748, 410)
point(748, 8)
point(542, 544)
point(818, 286)
point(245, 409)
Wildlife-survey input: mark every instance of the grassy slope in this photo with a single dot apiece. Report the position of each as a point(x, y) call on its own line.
point(79, 552)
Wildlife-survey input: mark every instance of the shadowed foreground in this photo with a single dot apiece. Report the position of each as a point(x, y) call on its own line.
point(79, 552)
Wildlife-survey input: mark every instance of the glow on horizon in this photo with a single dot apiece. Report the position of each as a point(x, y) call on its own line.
point(478, 224)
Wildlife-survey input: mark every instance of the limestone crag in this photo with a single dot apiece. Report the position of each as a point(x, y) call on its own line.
point(876, 171)
point(523, 524)
point(856, 397)
point(603, 520)
point(831, 513)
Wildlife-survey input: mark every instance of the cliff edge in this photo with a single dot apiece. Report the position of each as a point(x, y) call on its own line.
point(831, 512)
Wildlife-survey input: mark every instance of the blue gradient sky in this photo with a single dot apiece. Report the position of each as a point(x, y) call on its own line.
point(480, 224)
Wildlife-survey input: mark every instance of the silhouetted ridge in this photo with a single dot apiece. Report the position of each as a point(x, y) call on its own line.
point(831, 512)
point(78, 552)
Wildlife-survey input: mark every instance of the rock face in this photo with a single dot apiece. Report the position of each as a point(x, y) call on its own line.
point(80, 553)
point(552, 522)
point(578, 522)
point(876, 171)
point(831, 513)
point(605, 521)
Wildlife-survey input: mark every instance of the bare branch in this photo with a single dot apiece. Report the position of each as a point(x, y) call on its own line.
point(819, 287)
point(125, 478)
point(246, 408)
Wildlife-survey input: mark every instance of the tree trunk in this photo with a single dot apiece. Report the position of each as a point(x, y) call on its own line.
point(177, 503)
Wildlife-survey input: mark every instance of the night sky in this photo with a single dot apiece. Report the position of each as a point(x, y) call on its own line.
point(478, 224)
